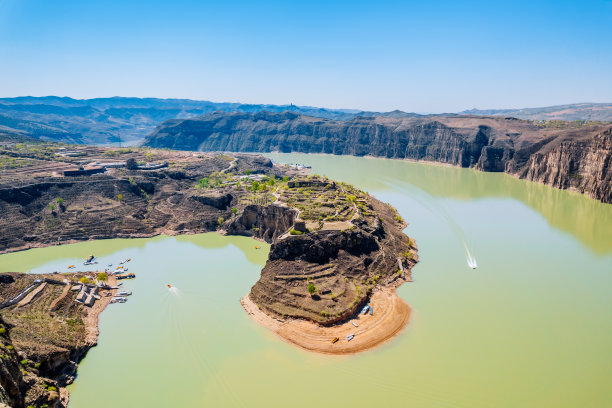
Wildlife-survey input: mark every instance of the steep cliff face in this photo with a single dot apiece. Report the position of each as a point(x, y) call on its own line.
point(11, 378)
point(583, 165)
point(519, 147)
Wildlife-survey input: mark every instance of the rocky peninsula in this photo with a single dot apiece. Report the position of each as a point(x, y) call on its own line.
point(334, 248)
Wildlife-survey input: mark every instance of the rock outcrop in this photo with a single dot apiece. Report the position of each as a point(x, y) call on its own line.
point(580, 153)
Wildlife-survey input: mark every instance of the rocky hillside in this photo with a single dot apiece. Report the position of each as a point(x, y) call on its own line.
point(522, 148)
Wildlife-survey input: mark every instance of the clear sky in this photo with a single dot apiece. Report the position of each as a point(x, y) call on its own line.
point(425, 56)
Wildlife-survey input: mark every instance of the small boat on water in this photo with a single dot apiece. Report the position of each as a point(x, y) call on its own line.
point(118, 300)
point(371, 311)
point(354, 324)
point(70, 266)
point(90, 259)
point(335, 340)
point(350, 337)
point(126, 276)
point(169, 286)
point(124, 293)
point(365, 309)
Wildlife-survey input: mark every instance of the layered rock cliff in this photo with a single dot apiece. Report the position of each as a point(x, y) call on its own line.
point(580, 154)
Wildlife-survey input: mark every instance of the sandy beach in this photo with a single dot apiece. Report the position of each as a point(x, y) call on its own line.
point(391, 314)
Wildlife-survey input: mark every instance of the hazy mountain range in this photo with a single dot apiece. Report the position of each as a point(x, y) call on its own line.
point(130, 120)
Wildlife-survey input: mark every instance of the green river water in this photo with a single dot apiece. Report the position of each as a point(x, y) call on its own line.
point(530, 327)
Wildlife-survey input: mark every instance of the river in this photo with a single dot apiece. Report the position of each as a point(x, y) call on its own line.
point(530, 327)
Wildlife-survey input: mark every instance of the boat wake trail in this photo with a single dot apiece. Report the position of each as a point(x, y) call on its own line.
point(471, 261)
point(439, 209)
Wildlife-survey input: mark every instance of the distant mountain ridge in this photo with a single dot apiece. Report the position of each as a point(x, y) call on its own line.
point(119, 119)
point(601, 112)
point(129, 120)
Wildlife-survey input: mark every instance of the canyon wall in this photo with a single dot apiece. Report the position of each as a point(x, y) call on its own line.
point(569, 155)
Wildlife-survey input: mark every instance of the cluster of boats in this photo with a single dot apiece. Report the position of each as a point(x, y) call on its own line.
point(363, 311)
point(121, 297)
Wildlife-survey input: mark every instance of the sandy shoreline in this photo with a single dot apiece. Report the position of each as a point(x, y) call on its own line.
point(391, 314)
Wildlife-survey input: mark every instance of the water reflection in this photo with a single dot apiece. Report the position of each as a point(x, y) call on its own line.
point(588, 220)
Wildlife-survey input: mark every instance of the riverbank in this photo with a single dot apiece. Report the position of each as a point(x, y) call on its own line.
point(51, 329)
point(391, 315)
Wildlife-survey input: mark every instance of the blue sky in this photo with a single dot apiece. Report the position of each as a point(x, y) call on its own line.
point(429, 56)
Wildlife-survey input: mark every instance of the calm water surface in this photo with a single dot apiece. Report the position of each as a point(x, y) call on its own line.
point(531, 327)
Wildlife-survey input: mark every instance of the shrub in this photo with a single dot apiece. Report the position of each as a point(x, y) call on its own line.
point(203, 183)
point(220, 220)
point(2, 330)
point(52, 388)
point(234, 211)
point(311, 288)
point(23, 362)
point(60, 201)
point(10, 347)
point(324, 313)
point(102, 276)
point(295, 232)
point(51, 207)
point(85, 280)
point(119, 197)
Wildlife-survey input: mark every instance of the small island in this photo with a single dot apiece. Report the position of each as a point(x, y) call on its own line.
point(337, 254)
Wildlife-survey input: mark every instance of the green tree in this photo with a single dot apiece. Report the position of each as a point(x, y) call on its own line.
point(220, 220)
point(234, 210)
point(51, 207)
point(102, 277)
point(311, 289)
point(119, 197)
point(60, 201)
